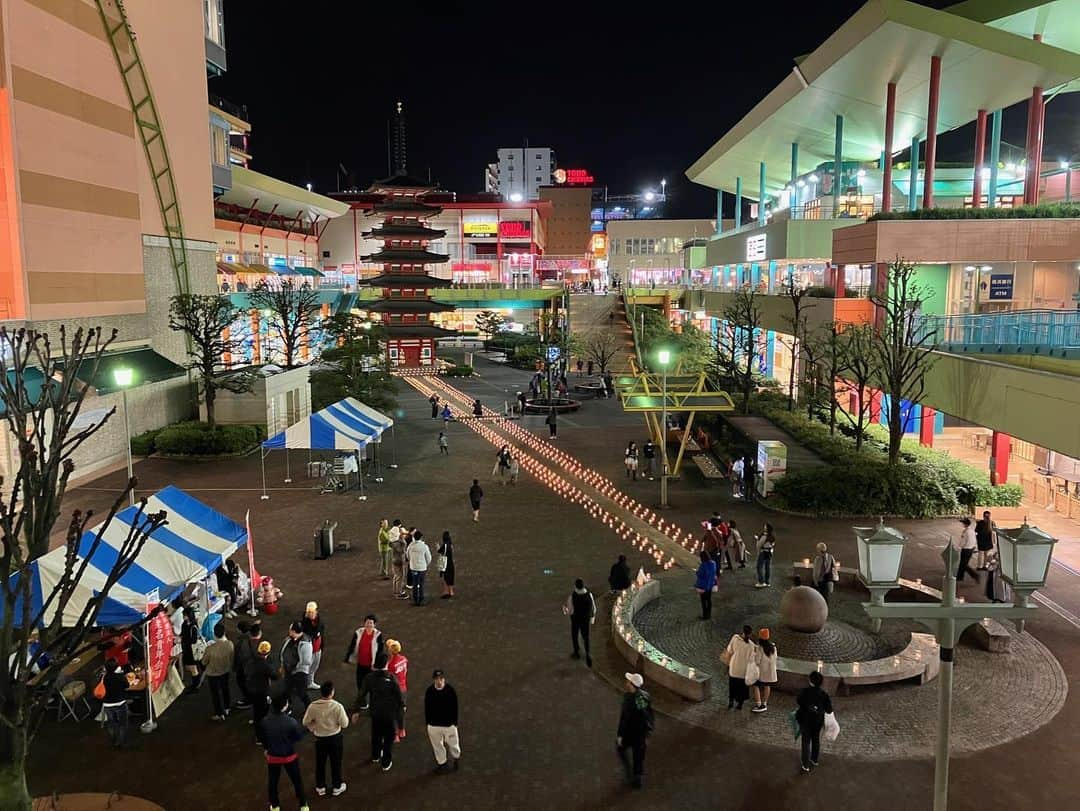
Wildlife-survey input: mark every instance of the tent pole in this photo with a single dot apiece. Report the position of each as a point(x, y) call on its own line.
point(360, 474)
point(262, 462)
point(288, 473)
point(149, 725)
point(393, 435)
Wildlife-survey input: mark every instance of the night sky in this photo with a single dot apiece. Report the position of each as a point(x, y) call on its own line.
point(633, 97)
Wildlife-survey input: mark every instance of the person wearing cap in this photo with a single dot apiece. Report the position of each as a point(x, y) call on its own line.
point(366, 644)
point(398, 665)
point(325, 718)
point(282, 732)
point(441, 717)
point(258, 675)
point(581, 608)
point(765, 658)
point(313, 626)
point(380, 692)
point(296, 663)
point(635, 726)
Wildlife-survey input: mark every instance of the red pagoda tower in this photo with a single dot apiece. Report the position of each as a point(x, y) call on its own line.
point(406, 304)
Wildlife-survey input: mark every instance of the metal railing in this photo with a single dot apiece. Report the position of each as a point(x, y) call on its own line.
point(1023, 329)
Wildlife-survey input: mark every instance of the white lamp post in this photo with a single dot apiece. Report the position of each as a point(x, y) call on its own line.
point(124, 377)
point(1025, 551)
point(664, 357)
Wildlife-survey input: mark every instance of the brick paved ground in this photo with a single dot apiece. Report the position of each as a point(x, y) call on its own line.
point(537, 727)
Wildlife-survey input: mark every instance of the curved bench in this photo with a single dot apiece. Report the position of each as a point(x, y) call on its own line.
point(643, 656)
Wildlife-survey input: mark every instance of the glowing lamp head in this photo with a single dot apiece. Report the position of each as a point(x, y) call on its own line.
point(664, 356)
point(123, 376)
point(516, 197)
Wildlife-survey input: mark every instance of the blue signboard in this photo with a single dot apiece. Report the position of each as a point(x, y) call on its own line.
point(1001, 286)
point(553, 353)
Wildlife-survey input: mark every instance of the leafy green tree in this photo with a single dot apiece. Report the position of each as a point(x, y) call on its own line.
point(490, 322)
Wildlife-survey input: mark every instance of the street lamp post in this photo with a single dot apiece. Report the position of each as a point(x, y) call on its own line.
point(664, 356)
point(1025, 557)
point(124, 377)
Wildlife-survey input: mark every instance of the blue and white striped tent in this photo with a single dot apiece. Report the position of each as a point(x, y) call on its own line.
point(193, 543)
point(348, 425)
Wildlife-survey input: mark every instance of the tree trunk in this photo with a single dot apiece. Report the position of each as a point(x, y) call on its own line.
point(209, 398)
point(896, 431)
point(791, 375)
point(859, 421)
point(14, 795)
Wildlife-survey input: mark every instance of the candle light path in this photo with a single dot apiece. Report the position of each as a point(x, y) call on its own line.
point(639, 525)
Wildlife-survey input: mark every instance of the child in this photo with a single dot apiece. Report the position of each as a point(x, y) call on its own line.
point(515, 469)
point(398, 667)
point(444, 446)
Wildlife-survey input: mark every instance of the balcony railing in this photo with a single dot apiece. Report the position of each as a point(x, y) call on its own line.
point(1027, 331)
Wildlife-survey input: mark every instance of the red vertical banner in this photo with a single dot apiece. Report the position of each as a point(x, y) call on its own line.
point(252, 573)
point(160, 633)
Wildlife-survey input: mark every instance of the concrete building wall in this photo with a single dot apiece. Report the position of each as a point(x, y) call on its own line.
point(619, 231)
point(569, 227)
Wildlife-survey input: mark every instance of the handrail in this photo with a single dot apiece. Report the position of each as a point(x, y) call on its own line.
point(1050, 329)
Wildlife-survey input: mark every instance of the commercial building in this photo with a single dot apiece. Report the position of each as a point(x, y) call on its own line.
point(520, 172)
point(853, 132)
point(648, 252)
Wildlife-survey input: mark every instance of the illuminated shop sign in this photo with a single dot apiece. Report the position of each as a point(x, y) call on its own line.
point(481, 230)
point(515, 229)
point(574, 177)
point(1001, 286)
point(755, 248)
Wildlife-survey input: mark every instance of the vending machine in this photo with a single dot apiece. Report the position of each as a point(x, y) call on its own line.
point(771, 465)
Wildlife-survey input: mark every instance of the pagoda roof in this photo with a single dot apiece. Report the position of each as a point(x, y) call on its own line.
point(406, 255)
point(398, 205)
point(405, 280)
point(417, 331)
point(407, 305)
point(389, 230)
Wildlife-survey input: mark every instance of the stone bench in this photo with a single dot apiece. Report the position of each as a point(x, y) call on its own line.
point(708, 467)
point(918, 661)
point(595, 389)
point(645, 658)
point(990, 635)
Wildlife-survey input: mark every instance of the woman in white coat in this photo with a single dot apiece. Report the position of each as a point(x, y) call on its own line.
point(738, 653)
point(765, 659)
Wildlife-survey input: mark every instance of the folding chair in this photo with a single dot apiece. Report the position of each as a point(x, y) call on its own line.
point(71, 694)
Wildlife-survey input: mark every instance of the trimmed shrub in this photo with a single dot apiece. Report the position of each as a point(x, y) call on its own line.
point(1046, 211)
point(144, 443)
point(196, 439)
point(460, 370)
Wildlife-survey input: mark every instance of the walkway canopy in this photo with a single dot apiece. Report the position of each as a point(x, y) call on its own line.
point(192, 544)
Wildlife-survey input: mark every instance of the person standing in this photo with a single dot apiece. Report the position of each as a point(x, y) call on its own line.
point(243, 656)
point(705, 583)
point(552, 423)
point(738, 543)
point(630, 459)
point(635, 725)
point(381, 693)
point(259, 675)
point(813, 704)
point(581, 608)
point(446, 566)
point(364, 647)
point(441, 717)
point(398, 666)
point(515, 469)
point(824, 571)
point(189, 640)
point(296, 664)
point(314, 628)
point(589, 369)
point(738, 652)
point(475, 495)
point(766, 544)
point(966, 544)
point(984, 539)
point(325, 718)
point(580, 367)
point(723, 532)
point(648, 450)
point(609, 385)
point(397, 561)
point(217, 660)
point(282, 732)
point(419, 560)
point(434, 400)
point(444, 444)
point(114, 704)
point(446, 416)
point(737, 469)
point(383, 539)
point(765, 657)
point(619, 576)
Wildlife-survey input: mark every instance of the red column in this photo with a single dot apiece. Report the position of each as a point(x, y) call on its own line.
point(1036, 158)
point(875, 405)
point(931, 131)
point(980, 147)
point(839, 281)
point(999, 458)
point(926, 426)
point(886, 178)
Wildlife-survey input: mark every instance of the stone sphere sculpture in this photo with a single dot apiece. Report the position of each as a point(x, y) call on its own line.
point(804, 609)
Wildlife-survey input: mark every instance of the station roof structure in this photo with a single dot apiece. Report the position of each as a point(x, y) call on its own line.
point(983, 67)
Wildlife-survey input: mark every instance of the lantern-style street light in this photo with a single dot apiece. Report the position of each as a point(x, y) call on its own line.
point(664, 358)
point(123, 376)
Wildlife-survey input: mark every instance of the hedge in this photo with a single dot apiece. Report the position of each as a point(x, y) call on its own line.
point(1054, 211)
point(144, 443)
point(196, 439)
point(459, 370)
point(925, 483)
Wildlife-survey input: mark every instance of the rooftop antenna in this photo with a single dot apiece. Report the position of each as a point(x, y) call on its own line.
point(399, 140)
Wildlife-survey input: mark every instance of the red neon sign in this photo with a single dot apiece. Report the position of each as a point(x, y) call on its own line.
point(515, 229)
point(579, 176)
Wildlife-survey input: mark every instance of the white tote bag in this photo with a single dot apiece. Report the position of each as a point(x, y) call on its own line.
point(753, 672)
point(832, 727)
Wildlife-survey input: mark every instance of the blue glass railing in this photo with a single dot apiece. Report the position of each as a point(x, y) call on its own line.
point(1026, 330)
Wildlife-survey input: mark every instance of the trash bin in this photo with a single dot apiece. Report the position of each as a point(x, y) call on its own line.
point(323, 539)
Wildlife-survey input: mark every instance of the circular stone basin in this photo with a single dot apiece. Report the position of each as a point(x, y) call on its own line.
point(541, 405)
point(804, 609)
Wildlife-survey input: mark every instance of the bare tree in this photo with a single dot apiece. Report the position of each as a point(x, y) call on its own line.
point(797, 320)
point(744, 315)
point(205, 320)
point(903, 347)
point(601, 348)
point(42, 400)
point(292, 310)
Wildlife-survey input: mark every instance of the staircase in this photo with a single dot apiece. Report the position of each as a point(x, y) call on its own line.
point(590, 316)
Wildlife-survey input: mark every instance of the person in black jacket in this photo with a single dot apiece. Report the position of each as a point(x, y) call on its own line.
point(441, 717)
point(282, 732)
point(619, 578)
point(635, 726)
point(243, 655)
point(814, 703)
point(380, 690)
point(258, 674)
point(581, 608)
point(475, 494)
point(114, 705)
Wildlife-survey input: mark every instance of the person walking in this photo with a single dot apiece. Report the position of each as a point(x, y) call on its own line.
point(984, 540)
point(636, 723)
point(581, 608)
point(475, 495)
point(282, 732)
point(313, 626)
point(243, 656)
point(619, 576)
point(444, 444)
point(552, 422)
point(441, 717)
point(380, 692)
point(824, 572)
point(737, 543)
point(737, 653)
point(446, 565)
point(766, 544)
point(765, 658)
point(434, 400)
point(364, 647)
point(589, 369)
point(705, 583)
point(515, 469)
point(630, 459)
point(724, 532)
point(737, 468)
point(648, 450)
point(384, 549)
point(966, 544)
point(502, 463)
point(296, 664)
point(217, 660)
point(114, 704)
point(477, 409)
point(813, 704)
point(325, 718)
point(419, 556)
point(609, 385)
point(397, 664)
point(259, 675)
point(580, 367)
point(446, 416)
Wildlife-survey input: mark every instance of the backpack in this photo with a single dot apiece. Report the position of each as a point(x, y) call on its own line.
point(643, 703)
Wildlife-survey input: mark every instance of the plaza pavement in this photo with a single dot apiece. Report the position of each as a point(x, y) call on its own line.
point(537, 728)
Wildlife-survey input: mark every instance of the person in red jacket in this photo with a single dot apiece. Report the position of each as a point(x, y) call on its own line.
point(365, 644)
point(398, 666)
